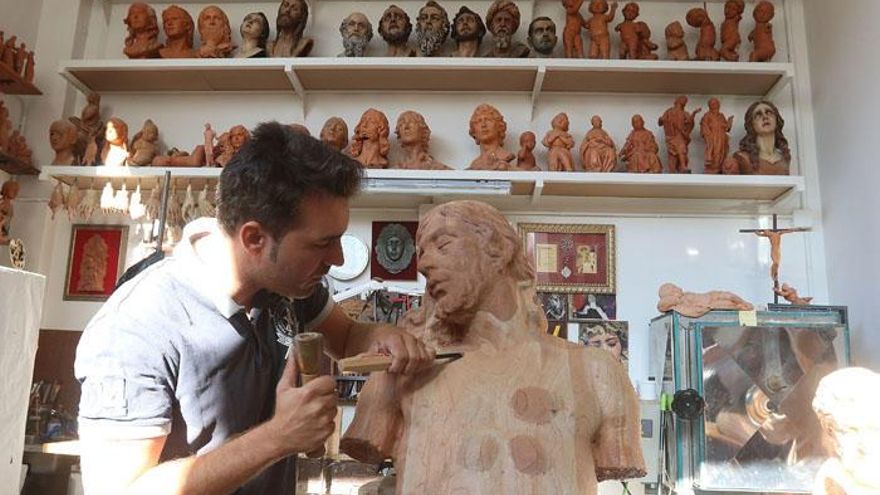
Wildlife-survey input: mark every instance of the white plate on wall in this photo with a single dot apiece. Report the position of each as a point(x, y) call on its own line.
point(357, 257)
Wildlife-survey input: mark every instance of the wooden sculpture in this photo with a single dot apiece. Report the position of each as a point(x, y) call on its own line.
point(467, 31)
point(356, 31)
point(432, 28)
point(762, 35)
point(597, 24)
point(254, 32)
point(369, 144)
point(334, 133)
point(62, 139)
point(143, 32)
point(115, 150)
point(640, 150)
point(414, 136)
point(488, 128)
point(774, 236)
point(290, 24)
point(560, 143)
point(395, 28)
point(673, 298)
point(598, 152)
point(677, 126)
point(714, 128)
point(699, 18)
point(502, 20)
point(764, 149)
point(571, 34)
point(730, 38)
point(525, 157)
point(179, 29)
point(215, 33)
point(545, 416)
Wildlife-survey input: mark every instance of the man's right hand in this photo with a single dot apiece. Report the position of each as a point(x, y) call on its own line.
point(304, 416)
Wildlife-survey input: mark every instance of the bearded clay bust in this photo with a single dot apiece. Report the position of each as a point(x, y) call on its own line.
point(290, 24)
point(502, 19)
point(673, 298)
point(395, 28)
point(529, 414)
point(356, 31)
point(62, 139)
point(467, 31)
point(179, 28)
point(335, 133)
point(764, 149)
point(414, 135)
point(214, 33)
point(370, 144)
point(143, 32)
point(432, 28)
point(488, 129)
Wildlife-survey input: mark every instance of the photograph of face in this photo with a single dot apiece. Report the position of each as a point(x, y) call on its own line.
point(611, 336)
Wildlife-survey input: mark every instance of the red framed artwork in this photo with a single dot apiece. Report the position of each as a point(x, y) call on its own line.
point(95, 261)
point(393, 253)
point(571, 258)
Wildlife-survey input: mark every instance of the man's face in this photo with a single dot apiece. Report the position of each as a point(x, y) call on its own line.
point(543, 36)
point(394, 23)
point(394, 248)
point(174, 23)
point(290, 13)
point(503, 24)
point(430, 18)
point(467, 27)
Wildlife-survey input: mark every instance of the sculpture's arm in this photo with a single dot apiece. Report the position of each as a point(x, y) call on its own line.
point(378, 421)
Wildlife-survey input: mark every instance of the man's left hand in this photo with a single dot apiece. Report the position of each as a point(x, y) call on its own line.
point(408, 354)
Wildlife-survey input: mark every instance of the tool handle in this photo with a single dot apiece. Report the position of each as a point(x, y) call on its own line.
point(365, 363)
point(308, 351)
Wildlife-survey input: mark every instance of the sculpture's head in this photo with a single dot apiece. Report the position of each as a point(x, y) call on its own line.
point(764, 11)
point(255, 26)
point(116, 131)
point(356, 31)
point(62, 135)
point(734, 8)
point(542, 35)
point(177, 23)
point(292, 16)
point(412, 130)
point(696, 17)
point(503, 18)
point(372, 126)
point(141, 18)
point(487, 125)
point(630, 11)
point(214, 26)
point(467, 26)
point(560, 122)
point(527, 140)
point(335, 133)
point(674, 30)
point(432, 28)
point(395, 25)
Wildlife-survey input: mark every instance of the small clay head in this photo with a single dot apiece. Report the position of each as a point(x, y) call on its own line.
point(630, 11)
point(596, 122)
point(467, 25)
point(681, 101)
point(764, 11)
point(292, 16)
point(527, 140)
point(733, 9)
point(598, 6)
point(487, 125)
point(141, 18)
point(638, 122)
point(560, 121)
point(432, 28)
point(177, 23)
point(214, 26)
point(542, 35)
point(572, 6)
point(372, 126)
point(356, 31)
point(714, 104)
point(335, 133)
point(503, 18)
point(255, 26)
point(238, 135)
point(149, 132)
point(411, 129)
point(9, 189)
point(674, 30)
point(697, 17)
point(395, 25)
point(116, 132)
point(62, 135)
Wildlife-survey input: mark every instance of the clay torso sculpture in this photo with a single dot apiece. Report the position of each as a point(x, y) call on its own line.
point(432, 28)
point(143, 145)
point(369, 144)
point(762, 35)
point(714, 128)
point(467, 31)
point(414, 136)
point(503, 19)
point(254, 36)
point(62, 139)
point(730, 38)
point(143, 32)
point(395, 28)
point(764, 150)
point(488, 129)
point(597, 24)
point(598, 152)
point(571, 35)
point(525, 158)
point(545, 416)
point(8, 193)
point(676, 49)
point(673, 298)
point(677, 126)
point(542, 37)
point(640, 150)
point(699, 18)
point(334, 133)
point(560, 143)
point(290, 24)
point(179, 29)
point(215, 33)
point(356, 31)
point(115, 150)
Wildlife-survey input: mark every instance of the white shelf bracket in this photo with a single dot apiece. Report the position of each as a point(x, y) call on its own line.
point(777, 88)
point(536, 192)
point(298, 88)
point(536, 89)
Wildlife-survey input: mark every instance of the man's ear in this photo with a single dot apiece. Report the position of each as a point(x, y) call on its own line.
point(253, 237)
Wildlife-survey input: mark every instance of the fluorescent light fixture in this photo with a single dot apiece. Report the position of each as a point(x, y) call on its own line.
point(439, 187)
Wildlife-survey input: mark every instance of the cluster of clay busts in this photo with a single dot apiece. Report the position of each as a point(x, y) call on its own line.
point(17, 58)
point(12, 142)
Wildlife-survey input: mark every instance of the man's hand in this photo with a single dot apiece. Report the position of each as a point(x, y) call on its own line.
point(408, 354)
point(304, 417)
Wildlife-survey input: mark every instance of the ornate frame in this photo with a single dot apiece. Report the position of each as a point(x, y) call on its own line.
point(568, 238)
point(116, 237)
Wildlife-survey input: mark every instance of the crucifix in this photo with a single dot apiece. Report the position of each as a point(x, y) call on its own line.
point(774, 235)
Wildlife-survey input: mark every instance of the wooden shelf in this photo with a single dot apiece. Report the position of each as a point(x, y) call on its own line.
point(14, 166)
point(13, 84)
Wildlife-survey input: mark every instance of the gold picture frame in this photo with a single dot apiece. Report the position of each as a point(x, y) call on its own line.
point(571, 257)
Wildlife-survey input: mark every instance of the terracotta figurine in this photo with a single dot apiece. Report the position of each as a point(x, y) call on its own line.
point(517, 391)
point(432, 28)
point(115, 150)
point(369, 144)
point(597, 24)
point(774, 236)
point(488, 129)
point(177, 158)
point(91, 130)
point(640, 150)
point(525, 158)
point(144, 145)
point(699, 18)
point(677, 124)
point(673, 298)
point(19, 148)
point(467, 32)
point(9, 52)
point(560, 143)
point(502, 19)
point(56, 199)
point(93, 264)
point(395, 28)
point(230, 142)
point(215, 34)
point(356, 31)
point(762, 35)
point(290, 24)
point(5, 126)
point(790, 294)
point(30, 67)
point(714, 128)
point(334, 133)
point(179, 29)
point(8, 193)
point(254, 36)
point(676, 48)
point(210, 134)
point(414, 136)
point(764, 149)
point(20, 58)
point(571, 34)
point(730, 38)
point(598, 152)
point(542, 36)
point(635, 36)
point(62, 139)
point(143, 32)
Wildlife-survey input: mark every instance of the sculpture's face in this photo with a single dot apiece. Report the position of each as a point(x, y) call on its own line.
point(596, 121)
point(394, 248)
point(561, 122)
point(675, 30)
point(631, 11)
point(487, 128)
point(357, 25)
point(764, 12)
point(409, 129)
point(394, 22)
point(431, 18)
point(137, 17)
point(638, 123)
point(174, 22)
point(527, 140)
point(598, 6)
point(370, 126)
point(60, 137)
point(504, 23)
point(543, 37)
point(253, 27)
point(732, 9)
point(211, 18)
point(714, 105)
point(111, 134)
point(764, 120)
point(467, 27)
point(238, 136)
point(291, 13)
point(335, 133)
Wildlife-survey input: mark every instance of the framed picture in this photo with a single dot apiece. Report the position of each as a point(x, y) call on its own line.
point(571, 258)
point(612, 336)
point(95, 261)
point(555, 306)
point(393, 254)
point(583, 307)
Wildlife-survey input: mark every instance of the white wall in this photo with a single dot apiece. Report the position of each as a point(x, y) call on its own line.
point(844, 71)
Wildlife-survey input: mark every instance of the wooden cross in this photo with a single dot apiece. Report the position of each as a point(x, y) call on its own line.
point(774, 235)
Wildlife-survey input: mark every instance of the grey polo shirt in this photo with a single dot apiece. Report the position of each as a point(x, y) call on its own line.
point(170, 354)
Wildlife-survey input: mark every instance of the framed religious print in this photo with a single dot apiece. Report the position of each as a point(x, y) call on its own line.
point(95, 261)
point(592, 307)
point(571, 258)
point(393, 255)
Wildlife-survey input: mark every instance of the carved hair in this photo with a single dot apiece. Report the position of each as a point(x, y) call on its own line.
point(463, 11)
point(407, 28)
point(357, 144)
point(493, 113)
point(499, 6)
point(152, 24)
point(749, 143)
point(424, 130)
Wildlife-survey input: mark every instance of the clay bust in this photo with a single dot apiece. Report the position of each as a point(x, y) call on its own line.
point(730, 38)
point(369, 144)
point(179, 29)
point(791, 295)
point(762, 35)
point(432, 28)
point(143, 32)
point(334, 133)
point(356, 31)
point(414, 135)
point(467, 31)
point(395, 28)
point(115, 150)
point(488, 129)
point(635, 36)
point(542, 36)
point(598, 152)
point(502, 19)
point(214, 33)
point(230, 142)
point(714, 128)
point(143, 145)
point(62, 139)
point(673, 298)
point(560, 143)
point(254, 36)
point(571, 34)
point(508, 429)
point(764, 149)
point(290, 24)
point(676, 49)
point(525, 158)
point(93, 266)
point(640, 150)
point(699, 18)
point(677, 126)
point(597, 24)
point(8, 193)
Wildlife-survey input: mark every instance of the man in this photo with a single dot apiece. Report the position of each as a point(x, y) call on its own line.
point(356, 31)
point(290, 24)
point(542, 36)
point(179, 367)
point(432, 28)
point(503, 21)
point(395, 28)
point(467, 31)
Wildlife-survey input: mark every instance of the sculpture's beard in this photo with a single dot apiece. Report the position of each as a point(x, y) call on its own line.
point(430, 41)
point(544, 45)
point(503, 40)
point(355, 46)
point(398, 37)
point(457, 307)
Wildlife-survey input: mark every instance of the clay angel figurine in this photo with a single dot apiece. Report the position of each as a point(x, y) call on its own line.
point(635, 36)
point(571, 34)
point(214, 33)
point(525, 157)
point(730, 38)
point(597, 24)
point(254, 36)
point(115, 150)
point(699, 18)
point(676, 48)
point(334, 133)
point(414, 135)
point(762, 35)
point(764, 150)
point(488, 128)
point(677, 124)
point(144, 145)
point(179, 29)
point(143, 32)
point(640, 150)
point(370, 144)
point(598, 152)
point(714, 129)
point(560, 143)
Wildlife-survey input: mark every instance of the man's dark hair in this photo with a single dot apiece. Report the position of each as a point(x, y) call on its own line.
point(267, 179)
